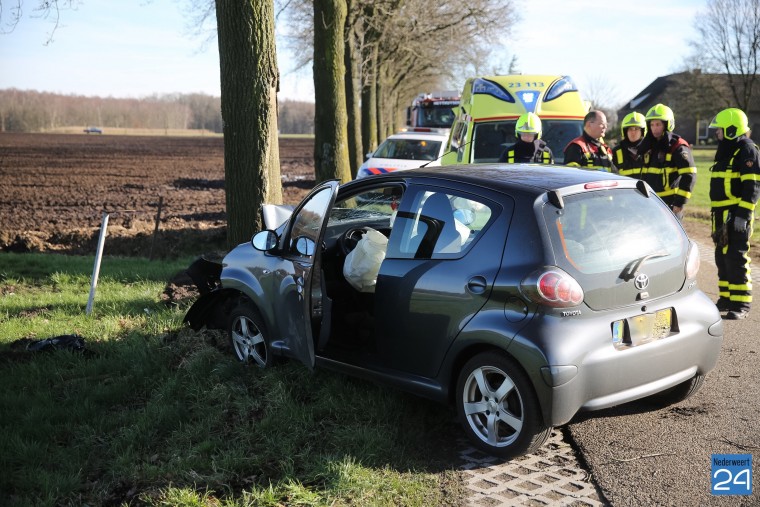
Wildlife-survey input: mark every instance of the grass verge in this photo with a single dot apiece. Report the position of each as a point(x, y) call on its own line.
point(153, 413)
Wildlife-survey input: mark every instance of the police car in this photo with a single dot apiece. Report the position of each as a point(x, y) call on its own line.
point(405, 150)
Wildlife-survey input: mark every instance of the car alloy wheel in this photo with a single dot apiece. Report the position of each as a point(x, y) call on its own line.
point(248, 338)
point(498, 408)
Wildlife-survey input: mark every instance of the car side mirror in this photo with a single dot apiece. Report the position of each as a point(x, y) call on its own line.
point(264, 240)
point(368, 155)
point(305, 246)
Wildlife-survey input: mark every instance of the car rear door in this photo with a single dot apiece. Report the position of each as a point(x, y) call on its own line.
point(443, 256)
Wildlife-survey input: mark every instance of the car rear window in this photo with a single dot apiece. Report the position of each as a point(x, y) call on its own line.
point(605, 230)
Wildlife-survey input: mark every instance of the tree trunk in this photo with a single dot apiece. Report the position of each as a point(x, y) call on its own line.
point(330, 120)
point(249, 84)
point(369, 110)
point(379, 108)
point(353, 91)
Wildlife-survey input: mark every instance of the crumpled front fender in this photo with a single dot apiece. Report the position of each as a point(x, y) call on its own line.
point(211, 309)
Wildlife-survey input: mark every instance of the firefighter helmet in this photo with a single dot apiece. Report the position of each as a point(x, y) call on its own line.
point(733, 122)
point(528, 123)
point(634, 119)
point(663, 113)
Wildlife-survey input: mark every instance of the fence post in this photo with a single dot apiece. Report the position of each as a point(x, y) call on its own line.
point(98, 257)
point(155, 230)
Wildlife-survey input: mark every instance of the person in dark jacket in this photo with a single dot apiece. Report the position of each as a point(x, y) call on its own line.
point(589, 150)
point(626, 156)
point(669, 166)
point(734, 192)
point(529, 146)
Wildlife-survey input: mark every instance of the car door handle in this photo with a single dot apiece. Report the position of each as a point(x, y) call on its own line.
point(477, 285)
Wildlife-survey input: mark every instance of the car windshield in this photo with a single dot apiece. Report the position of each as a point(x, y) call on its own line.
point(606, 230)
point(435, 117)
point(408, 149)
point(491, 138)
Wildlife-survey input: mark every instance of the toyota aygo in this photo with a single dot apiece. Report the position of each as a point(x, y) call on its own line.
point(519, 294)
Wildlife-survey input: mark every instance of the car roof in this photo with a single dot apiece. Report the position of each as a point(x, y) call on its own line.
point(535, 178)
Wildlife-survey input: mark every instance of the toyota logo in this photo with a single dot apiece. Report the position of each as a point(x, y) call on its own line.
point(641, 282)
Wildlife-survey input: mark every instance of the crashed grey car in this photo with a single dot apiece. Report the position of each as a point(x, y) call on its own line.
point(520, 294)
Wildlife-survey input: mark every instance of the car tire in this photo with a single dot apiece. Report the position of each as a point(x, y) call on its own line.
point(504, 424)
point(679, 392)
point(248, 336)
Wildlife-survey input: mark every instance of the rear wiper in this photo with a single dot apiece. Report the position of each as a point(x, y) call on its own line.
point(632, 268)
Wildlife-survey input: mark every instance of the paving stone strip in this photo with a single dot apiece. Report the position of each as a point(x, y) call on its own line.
point(552, 476)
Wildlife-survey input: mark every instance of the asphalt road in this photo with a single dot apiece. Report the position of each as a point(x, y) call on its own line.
point(642, 455)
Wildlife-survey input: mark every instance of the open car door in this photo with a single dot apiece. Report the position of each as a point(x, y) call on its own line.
point(300, 251)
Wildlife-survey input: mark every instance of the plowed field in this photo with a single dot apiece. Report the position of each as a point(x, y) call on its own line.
point(54, 189)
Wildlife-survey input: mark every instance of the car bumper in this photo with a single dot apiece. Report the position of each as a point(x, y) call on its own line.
point(585, 371)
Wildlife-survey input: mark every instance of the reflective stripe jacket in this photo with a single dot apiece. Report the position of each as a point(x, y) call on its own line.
point(585, 151)
point(735, 177)
point(537, 152)
point(627, 158)
point(669, 168)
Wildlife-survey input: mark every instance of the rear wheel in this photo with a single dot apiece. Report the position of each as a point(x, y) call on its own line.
point(498, 407)
point(679, 392)
point(248, 336)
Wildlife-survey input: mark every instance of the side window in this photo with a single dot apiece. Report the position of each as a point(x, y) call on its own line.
point(437, 225)
point(307, 224)
point(458, 138)
point(490, 140)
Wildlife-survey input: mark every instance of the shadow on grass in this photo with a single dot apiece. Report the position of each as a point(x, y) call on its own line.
point(178, 411)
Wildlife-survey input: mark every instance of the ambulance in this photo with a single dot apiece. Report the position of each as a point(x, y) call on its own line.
point(489, 107)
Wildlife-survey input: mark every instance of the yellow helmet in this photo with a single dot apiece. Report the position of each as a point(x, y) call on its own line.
point(634, 119)
point(663, 113)
point(528, 123)
point(733, 122)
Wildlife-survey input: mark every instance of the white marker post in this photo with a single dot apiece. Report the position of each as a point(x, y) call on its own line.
point(98, 257)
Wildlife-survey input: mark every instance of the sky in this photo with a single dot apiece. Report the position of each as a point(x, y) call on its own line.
point(115, 48)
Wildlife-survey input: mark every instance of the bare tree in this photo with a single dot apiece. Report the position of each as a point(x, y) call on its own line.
point(249, 81)
point(729, 42)
point(405, 47)
point(12, 11)
point(330, 122)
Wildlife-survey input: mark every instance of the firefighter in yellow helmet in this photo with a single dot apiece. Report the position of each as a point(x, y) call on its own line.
point(669, 166)
point(529, 146)
point(589, 150)
point(626, 156)
point(734, 192)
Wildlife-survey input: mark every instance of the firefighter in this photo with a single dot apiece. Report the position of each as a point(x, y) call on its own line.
point(626, 156)
point(734, 191)
point(529, 146)
point(669, 166)
point(589, 150)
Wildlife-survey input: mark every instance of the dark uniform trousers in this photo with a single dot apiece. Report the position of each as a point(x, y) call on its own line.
point(734, 191)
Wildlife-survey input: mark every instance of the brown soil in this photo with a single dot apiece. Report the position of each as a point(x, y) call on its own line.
point(54, 189)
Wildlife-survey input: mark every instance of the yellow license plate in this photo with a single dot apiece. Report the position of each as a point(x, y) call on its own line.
point(641, 329)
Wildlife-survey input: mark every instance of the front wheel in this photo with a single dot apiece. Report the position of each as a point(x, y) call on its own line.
point(248, 337)
point(498, 407)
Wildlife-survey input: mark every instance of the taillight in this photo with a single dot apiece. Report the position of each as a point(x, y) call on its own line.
point(692, 261)
point(552, 287)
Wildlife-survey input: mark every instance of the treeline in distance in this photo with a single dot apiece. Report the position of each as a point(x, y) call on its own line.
point(33, 111)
